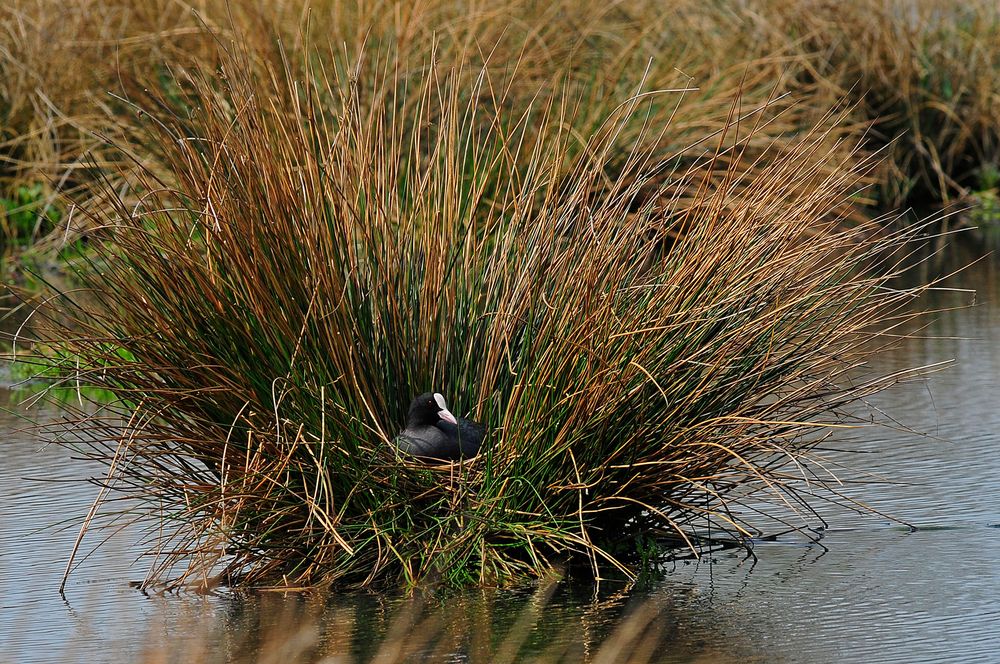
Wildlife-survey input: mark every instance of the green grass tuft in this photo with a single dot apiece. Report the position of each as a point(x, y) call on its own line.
point(656, 352)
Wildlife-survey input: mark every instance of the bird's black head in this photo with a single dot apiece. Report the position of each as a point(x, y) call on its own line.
point(428, 409)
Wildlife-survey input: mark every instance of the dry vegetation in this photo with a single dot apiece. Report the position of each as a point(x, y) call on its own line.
point(920, 76)
point(624, 235)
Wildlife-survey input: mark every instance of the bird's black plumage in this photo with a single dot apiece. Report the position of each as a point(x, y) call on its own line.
point(432, 432)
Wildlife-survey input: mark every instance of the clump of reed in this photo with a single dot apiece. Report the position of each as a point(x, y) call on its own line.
point(60, 70)
point(925, 74)
point(651, 366)
point(922, 75)
point(55, 124)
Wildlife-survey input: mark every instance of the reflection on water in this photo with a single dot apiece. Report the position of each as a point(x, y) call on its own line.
point(875, 591)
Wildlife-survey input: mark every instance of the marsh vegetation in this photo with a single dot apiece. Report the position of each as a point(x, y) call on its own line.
point(637, 243)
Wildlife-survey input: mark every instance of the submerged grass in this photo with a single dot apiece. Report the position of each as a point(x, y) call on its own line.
point(655, 353)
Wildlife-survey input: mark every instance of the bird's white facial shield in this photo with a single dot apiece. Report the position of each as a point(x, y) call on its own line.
point(444, 413)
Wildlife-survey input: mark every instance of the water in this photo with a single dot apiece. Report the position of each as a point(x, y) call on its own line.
point(874, 591)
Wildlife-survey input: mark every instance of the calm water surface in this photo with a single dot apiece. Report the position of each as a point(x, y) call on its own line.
point(876, 592)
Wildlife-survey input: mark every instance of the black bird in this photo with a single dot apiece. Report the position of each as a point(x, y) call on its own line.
point(433, 432)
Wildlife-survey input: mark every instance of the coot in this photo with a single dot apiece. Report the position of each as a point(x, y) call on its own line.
point(432, 432)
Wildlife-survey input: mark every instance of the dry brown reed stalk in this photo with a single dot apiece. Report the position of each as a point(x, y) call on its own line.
point(332, 238)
